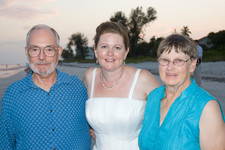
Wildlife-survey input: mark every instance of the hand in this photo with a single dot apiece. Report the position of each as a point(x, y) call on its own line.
point(92, 133)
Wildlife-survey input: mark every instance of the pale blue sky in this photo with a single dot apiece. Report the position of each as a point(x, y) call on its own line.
point(71, 16)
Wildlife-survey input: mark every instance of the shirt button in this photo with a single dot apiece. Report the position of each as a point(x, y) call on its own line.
point(48, 93)
point(54, 148)
point(53, 129)
point(51, 110)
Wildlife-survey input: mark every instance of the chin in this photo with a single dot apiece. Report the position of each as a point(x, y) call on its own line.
point(171, 82)
point(43, 71)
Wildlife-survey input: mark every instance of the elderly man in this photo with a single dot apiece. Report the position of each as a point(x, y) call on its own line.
point(46, 109)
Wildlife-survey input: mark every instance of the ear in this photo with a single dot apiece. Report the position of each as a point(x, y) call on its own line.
point(125, 56)
point(27, 54)
point(60, 52)
point(95, 51)
point(193, 65)
point(26, 51)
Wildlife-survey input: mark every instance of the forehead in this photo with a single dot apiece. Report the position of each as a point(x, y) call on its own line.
point(40, 36)
point(174, 54)
point(111, 37)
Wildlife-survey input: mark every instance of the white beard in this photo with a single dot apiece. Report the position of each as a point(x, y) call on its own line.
point(36, 70)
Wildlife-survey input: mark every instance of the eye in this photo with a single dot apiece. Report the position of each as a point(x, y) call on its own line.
point(165, 60)
point(118, 48)
point(178, 60)
point(103, 47)
point(49, 49)
point(34, 49)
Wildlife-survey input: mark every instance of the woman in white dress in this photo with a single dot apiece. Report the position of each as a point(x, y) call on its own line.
point(117, 92)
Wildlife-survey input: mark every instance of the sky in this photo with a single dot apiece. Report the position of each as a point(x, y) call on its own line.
point(72, 16)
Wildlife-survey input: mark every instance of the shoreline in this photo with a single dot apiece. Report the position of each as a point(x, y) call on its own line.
point(210, 72)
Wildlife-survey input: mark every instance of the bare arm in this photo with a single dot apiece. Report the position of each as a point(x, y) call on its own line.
point(87, 79)
point(148, 81)
point(212, 127)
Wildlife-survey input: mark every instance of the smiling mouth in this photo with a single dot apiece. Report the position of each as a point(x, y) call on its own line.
point(110, 60)
point(170, 74)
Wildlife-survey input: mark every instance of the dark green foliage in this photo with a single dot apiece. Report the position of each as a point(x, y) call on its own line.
point(142, 49)
point(218, 39)
point(80, 42)
point(120, 17)
point(67, 54)
point(153, 44)
point(214, 55)
point(134, 24)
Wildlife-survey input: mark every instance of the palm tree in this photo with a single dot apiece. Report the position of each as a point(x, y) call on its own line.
point(185, 31)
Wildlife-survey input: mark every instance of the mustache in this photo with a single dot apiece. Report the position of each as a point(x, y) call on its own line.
point(41, 63)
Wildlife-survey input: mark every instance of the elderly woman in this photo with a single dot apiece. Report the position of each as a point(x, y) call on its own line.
point(180, 115)
point(117, 92)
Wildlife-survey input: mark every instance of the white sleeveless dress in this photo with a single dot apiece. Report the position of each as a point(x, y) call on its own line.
point(116, 121)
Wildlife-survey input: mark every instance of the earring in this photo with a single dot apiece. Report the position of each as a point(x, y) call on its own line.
point(96, 61)
point(124, 63)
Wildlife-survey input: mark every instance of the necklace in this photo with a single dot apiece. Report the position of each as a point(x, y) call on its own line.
point(111, 87)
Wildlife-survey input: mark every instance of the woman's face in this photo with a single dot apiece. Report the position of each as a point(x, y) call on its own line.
point(111, 51)
point(176, 76)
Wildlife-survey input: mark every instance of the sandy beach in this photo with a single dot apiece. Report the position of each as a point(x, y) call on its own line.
point(213, 75)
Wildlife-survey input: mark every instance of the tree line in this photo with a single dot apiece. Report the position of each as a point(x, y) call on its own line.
point(135, 24)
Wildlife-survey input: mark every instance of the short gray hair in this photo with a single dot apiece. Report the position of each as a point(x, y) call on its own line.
point(42, 26)
point(179, 43)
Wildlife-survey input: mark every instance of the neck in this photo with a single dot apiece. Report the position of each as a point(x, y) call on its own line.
point(109, 80)
point(172, 92)
point(45, 81)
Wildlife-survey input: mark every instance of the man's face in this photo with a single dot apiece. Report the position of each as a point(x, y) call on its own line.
point(41, 63)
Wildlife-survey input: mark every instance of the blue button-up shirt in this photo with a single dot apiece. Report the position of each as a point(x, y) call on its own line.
point(32, 118)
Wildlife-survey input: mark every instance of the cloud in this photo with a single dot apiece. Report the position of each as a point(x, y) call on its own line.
point(25, 10)
point(6, 3)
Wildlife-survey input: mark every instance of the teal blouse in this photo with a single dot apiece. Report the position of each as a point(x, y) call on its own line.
point(180, 128)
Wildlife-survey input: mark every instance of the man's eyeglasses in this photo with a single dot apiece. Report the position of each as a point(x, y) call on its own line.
point(176, 62)
point(34, 51)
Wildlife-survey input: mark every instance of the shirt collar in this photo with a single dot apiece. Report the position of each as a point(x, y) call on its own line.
point(189, 90)
point(61, 78)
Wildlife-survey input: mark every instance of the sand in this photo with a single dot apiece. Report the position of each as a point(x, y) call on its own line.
point(213, 75)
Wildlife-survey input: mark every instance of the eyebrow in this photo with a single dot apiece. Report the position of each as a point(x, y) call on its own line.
point(44, 46)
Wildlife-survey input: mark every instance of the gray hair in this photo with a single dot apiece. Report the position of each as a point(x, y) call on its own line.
point(179, 43)
point(42, 26)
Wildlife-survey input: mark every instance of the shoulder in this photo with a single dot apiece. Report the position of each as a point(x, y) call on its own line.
point(199, 97)
point(68, 80)
point(157, 92)
point(212, 109)
point(144, 75)
point(146, 82)
point(89, 72)
point(88, 76)
point(15, 89)
point(212, 127)
point(20, 85)
point(147, 78)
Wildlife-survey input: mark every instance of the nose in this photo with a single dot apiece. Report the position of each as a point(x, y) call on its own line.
point(41, 55)
point(110, 52)
point(170, 65)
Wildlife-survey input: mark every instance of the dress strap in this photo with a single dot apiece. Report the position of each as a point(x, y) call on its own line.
point(93, 82)
point(134, 83)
